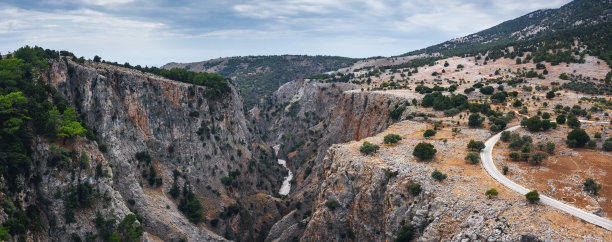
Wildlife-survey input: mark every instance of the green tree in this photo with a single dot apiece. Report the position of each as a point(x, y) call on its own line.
point(491, 193)
point(368, 148)
point(392, 138)
point(563, 76)
point(561, 119)
point(405, 234)
point(537, 158)
point(424, 151)
point(475, 120)
point(514, 155)
point(532, 196)
point(505, 170)
point(550, 147)
point(332, 204)
point(607, 145)
point(415, 189)
point(472, 157)
point(487, 90)
point(438, 175)
point(476, 145)
point(128, 230)
point(592, 186)
point(429, 133)
point(534, 123)
point(66, 123)
point(550, 95)
point(579, 137)
point(572, 121)
point(505, 136)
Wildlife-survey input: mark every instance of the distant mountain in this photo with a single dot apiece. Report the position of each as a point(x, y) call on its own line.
point(574, 15)
point(259, 76)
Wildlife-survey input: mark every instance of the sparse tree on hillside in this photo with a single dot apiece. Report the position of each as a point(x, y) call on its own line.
point(424, 151)
point(532, 196)
point(491, 193)
point(476, 145)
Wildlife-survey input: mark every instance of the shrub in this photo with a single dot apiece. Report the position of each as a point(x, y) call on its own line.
point(392, 138)
point(572, 121)
point(438, 175)
point(368, 148)
point(424, 151)
point(579, 136)
point(415, 189)
point(475, 120)
point(532, 196)
point(505, 136)
point(563, 76)
point(592, 144)
point(405, 234)
point(332, 204)
point(607, 145)
point(514, 155)
point(537, 158)
point(561, 119)
point(491, 193)
point(505, 170)
point(550, 147)
point(472, 157)
point(476, 145)
point(550, 94)
point(487, 90)
point(429, 133)
point(591, 186)
point(534, 123)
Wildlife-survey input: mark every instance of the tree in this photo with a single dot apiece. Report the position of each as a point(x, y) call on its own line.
point(537, 158)
point(127, 229)
point(607, 145)
point(97, 58)
point(368, 148)
point(405, 234)
point(532, 196)
point(505, 170)
point(415, 189)
point(563, 76)
point(550, 147)
point(546, 124)
point(392, 138)
point(472, 157)
point(476, 145)
point(572, 121)
point(505, 136)
point(534, 123)
point(429, 133)
point(332, 204)
point(560, 119)
point(424, 151)
point(438, 175)
point(550, 95)
point(592, 186)
point(514, 155)
point(475, 120)
point(579, 136)
point(66, 123)
point(487, 90)
point(491, 193)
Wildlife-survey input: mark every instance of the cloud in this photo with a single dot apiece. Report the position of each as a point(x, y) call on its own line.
point(153, 32)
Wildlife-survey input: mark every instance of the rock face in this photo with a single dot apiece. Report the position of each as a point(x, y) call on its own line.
point(183, 130)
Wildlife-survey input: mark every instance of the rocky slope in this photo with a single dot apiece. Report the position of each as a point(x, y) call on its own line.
point(200, 139)
point(259, 76)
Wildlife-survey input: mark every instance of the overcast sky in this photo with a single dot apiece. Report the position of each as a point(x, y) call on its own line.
point(154, 32)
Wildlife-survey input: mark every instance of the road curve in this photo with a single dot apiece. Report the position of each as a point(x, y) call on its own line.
point(487, 162)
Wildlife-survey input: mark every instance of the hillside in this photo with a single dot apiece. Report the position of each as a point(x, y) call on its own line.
point(574, 15)
point(259, 76)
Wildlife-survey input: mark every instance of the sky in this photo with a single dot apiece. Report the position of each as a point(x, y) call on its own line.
point(155, 32)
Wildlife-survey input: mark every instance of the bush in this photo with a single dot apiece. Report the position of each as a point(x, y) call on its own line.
point(475, 120)
point(332, 204)
point(579, 136)
point(550, 95)
point(392, 138)
point(591, 144)
point(505, 170)
point(563, 76)
point(561, 119)
point(438, 175)
point(472, 157)
point(368, 148)
point(607, 145)
point(488, 90)
point(405, 234)
point(534, 123)
point(537, 158)
point(572, 121)
point(514, 155)
point(550, 147)
point(491, 193)
point(476, 145)
point(429, 133)
point(505, 136)
point(424, 151)
point(532, 196)
point(591, 186)
point(415, 189)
